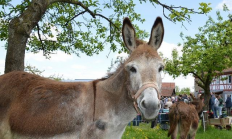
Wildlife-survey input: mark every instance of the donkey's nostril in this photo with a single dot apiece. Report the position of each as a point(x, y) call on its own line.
point(143, 104)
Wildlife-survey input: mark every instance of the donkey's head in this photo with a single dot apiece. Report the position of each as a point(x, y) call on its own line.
point(144, 67)
point(198, 102)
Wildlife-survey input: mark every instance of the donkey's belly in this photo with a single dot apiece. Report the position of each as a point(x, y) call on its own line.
point(62, 136)
point(6, 133)
point(114, 134)
point(114, 131)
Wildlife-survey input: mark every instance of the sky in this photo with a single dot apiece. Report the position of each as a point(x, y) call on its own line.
point(84, 67)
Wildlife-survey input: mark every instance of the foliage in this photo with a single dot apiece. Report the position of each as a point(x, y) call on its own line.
point(56, 77)
point(206, 55)
point(182, 91)
point(33, 70)
point(115, 63)
point(68, 25)
point(36, 71)
point(143, 131)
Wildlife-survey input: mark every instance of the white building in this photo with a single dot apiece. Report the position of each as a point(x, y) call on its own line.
point(221, 84)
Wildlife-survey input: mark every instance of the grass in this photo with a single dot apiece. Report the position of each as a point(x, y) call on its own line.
point(143, 131)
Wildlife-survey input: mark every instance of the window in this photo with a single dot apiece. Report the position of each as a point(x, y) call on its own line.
point(217, 80)
point(229, 79)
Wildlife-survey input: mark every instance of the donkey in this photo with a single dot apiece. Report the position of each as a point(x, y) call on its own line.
point(33, 107)
point(184, 118)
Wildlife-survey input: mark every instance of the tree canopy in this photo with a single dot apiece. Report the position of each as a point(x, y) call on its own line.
point(206, 54)
point(73, 26)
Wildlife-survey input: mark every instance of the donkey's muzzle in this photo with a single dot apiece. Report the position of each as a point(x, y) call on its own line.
point(149, 103)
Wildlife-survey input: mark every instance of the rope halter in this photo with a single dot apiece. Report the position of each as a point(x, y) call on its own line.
point(139, 92)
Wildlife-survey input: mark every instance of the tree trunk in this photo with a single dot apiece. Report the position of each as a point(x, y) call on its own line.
point(19, 31)
point(206, 102)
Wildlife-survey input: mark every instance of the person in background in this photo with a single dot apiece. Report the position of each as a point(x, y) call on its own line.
point(165, 100)
point(228, 104)
point(169, 103)
point(220, 105)
point(216, 107)
point(161, 104)
point(173, 99)
point(180, 98)
point(184, 96)
point(212, 104)
point(176, 98)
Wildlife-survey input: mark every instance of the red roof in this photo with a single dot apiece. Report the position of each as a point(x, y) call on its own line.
point(167, 89)
point(227, 71)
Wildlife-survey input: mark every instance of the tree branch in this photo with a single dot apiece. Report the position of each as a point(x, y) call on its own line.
point(197, 76)
point(76, 3)
point(199, 84)
point(171, 8)
point(108, 20)
point(179, 7)
point(41, 41)
point(74, 17)
point(86, 10)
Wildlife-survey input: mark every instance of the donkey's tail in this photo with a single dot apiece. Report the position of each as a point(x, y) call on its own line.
point(174, 118)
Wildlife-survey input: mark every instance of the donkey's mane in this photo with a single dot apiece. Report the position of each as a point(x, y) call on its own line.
point(119, 67)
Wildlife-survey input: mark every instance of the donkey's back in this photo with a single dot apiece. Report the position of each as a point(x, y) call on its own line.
point(32, 105)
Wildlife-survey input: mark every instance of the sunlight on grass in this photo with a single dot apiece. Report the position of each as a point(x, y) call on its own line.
point(143, 131)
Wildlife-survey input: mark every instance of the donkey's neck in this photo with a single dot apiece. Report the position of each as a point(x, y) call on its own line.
point(116, 83)
point(114, 108)
point(115, 89)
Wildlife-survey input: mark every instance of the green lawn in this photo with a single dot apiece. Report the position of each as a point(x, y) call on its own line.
point(143, 131)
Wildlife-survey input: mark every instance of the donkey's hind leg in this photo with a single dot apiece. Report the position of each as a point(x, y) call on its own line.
point(174, 134)
point(192, 133)
point(5, 132)
point(193, 129)
point(184, 129)
point(183, 134)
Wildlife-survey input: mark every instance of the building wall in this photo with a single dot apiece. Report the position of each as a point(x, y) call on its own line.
point(218, 85)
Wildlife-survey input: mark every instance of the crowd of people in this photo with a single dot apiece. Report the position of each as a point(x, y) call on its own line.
point(166, 102)
point(216, 104)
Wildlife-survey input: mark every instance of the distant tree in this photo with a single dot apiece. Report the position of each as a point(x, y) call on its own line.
point(115, 63)
point(182, 91)
point(72, 26)
point(177, 89)
point(206, 55)
point(33, 70)
point(36, 71)
point(185, 90)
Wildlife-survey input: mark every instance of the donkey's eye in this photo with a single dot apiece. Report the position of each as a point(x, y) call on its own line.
point(132, 69)
point(161, 68)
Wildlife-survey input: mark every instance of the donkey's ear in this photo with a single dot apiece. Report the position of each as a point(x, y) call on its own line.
point(191, 95)
point(157, 34)
point(128, 34)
